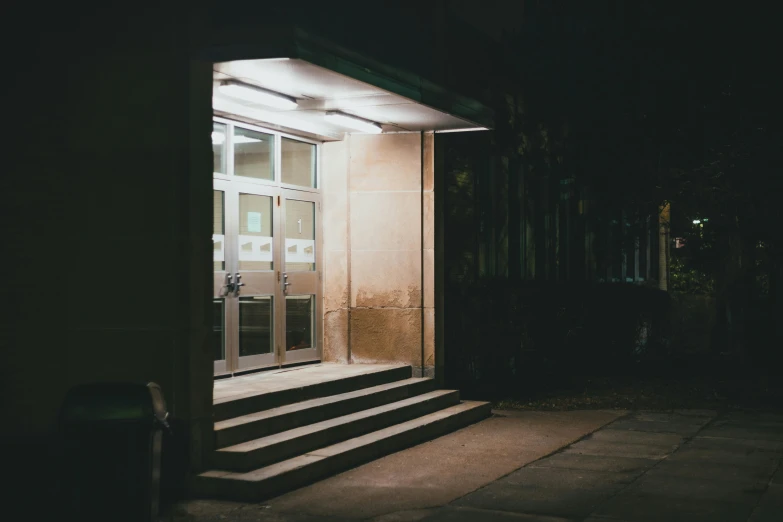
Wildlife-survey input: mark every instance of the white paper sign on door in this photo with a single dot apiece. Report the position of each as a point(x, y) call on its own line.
point(300, 250)
point(255, 248)
point(218, 247)
point(254, 221)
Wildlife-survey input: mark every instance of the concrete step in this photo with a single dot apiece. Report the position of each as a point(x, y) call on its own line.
point(298, 441)
point(253, 401)
point(299, 471)
point(255, 425)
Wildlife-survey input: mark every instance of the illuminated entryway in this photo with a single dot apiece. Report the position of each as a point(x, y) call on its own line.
point(324, 214)
point(266, 248)
point(302, 124)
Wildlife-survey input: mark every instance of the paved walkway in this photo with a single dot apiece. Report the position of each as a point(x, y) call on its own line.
point(555, 467)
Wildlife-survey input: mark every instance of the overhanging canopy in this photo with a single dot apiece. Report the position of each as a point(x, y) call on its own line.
point(323, 76)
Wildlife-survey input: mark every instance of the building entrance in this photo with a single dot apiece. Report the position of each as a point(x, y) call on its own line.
point(266, 248)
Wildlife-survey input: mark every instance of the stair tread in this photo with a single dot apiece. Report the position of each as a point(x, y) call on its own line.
point(279, 468)
point(304, 405)
point(283, 436)
point(245, 387)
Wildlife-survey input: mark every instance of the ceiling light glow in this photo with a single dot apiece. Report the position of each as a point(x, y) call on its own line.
point(254, 94)
point(471, 129)
point(353, 122)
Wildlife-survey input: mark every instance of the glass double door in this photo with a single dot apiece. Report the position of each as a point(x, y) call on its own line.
point(266, 276)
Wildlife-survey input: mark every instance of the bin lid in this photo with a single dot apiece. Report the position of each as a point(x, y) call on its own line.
point(113, 402)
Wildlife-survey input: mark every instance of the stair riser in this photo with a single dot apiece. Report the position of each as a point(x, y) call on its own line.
point(257, 491)
point(239, 407)
point(319, 439)
point(264, 427)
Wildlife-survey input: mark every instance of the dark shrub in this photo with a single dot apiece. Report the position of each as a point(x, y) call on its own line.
point(502, 338)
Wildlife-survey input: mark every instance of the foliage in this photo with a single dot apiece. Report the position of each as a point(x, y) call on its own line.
point(645, 105)
point(505, 336)
point(687, 279)
point(725, 161)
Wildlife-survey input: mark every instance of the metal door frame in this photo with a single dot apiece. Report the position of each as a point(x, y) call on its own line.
point(218, 285)
point(259, 360)
point(313, 279)
point(232, 186)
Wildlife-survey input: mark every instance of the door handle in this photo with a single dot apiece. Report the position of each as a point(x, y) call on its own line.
point(286, 284)
point(228, 287)
point(238, 284)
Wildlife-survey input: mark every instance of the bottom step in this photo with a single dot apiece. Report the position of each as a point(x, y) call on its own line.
point(299, 471)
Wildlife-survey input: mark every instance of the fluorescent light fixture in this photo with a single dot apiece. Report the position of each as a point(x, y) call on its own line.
point(218, 138)
point(471, 129)
point(696, 221)
point(254, 94)
point(353, 122)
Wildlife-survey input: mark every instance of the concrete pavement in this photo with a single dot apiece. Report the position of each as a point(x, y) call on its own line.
point(553, 466)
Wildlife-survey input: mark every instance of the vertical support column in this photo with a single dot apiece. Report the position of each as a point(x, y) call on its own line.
point(348, 247)
point(336, 216)
point(439, 223)
point(428, 253)
point(385, 248)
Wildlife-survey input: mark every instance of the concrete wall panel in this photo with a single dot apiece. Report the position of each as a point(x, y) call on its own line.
point(336, 267)
point(387, 279)
point(385, 162)
point(386, 335)
point(335, 280)
point(336, 336)
point(379, 247)
point(384, 221)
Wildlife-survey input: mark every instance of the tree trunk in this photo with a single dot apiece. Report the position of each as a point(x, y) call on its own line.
point(514, 219)
point(663, 247)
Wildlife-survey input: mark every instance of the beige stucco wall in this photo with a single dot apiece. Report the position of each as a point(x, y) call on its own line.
point(378, 249)
point(334, 162)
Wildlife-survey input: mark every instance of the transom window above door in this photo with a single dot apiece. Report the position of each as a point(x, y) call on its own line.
point(263, 155)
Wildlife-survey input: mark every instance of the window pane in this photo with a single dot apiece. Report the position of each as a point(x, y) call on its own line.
point(219, 148)
point(255, 325)
point(255, 232)
point(298, 163)
point(299, 322)
point(253, 154)
point(218, 232)
point(299, 235)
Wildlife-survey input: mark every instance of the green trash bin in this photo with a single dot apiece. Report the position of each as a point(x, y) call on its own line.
point(111, 438)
